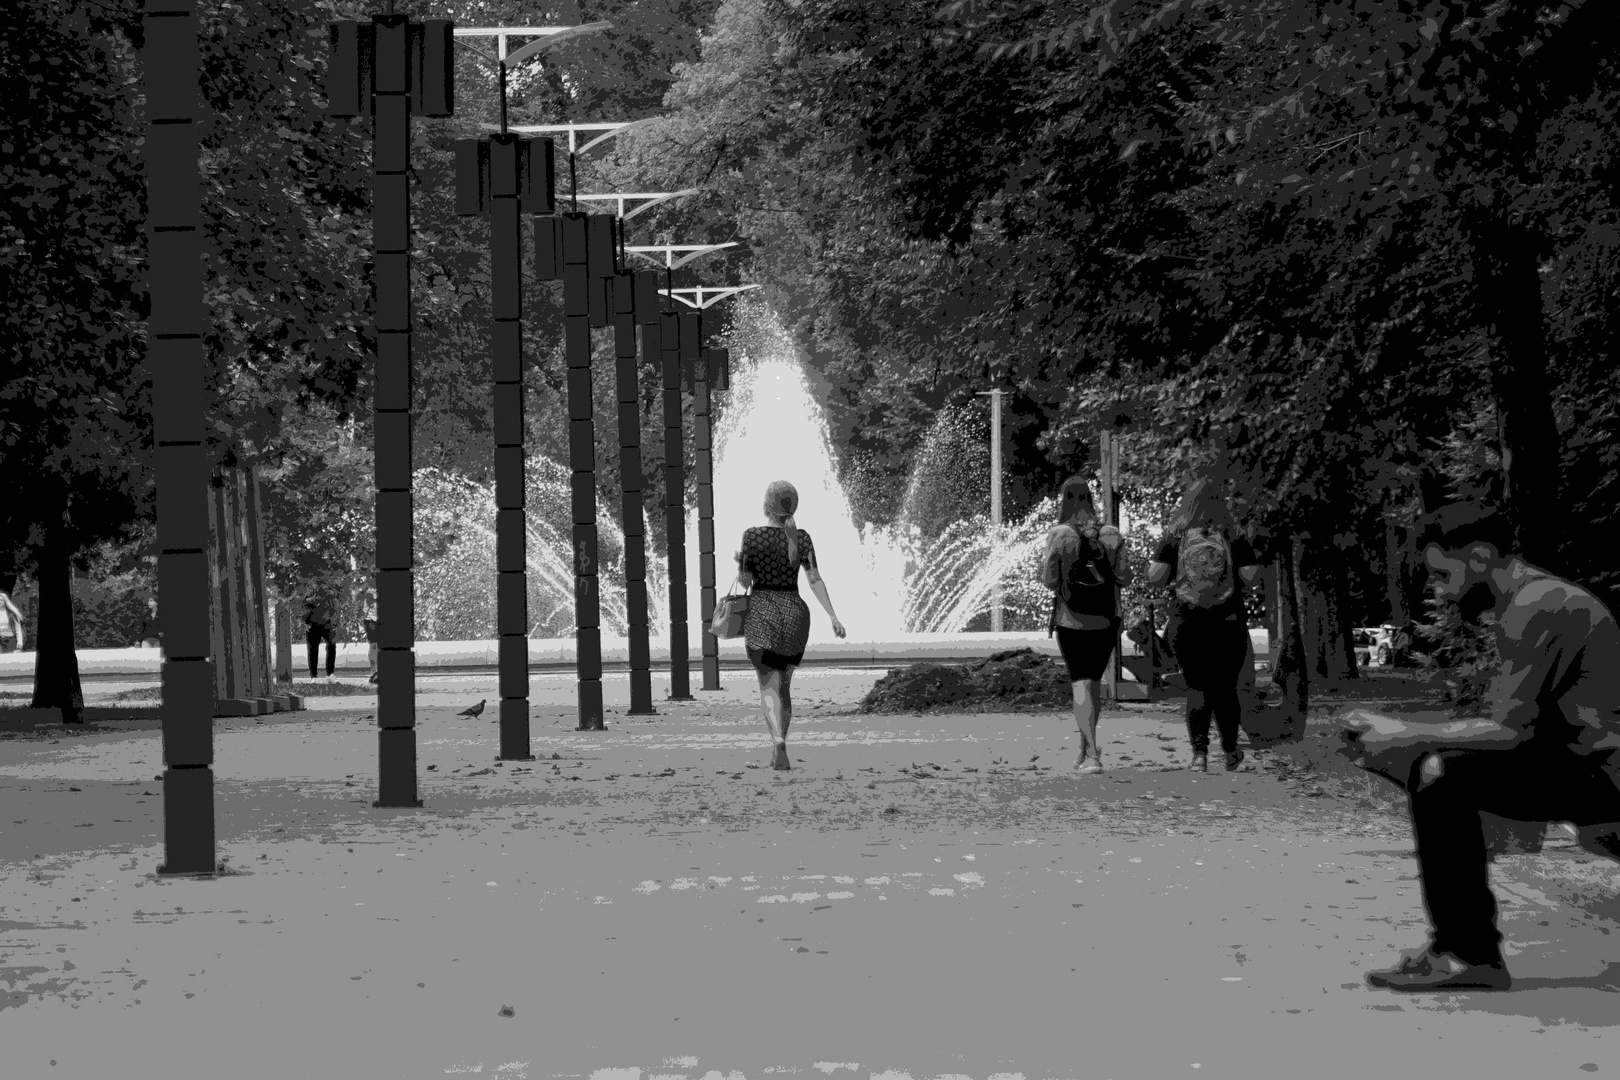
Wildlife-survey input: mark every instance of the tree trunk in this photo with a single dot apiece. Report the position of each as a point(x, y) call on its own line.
point(258, 585)
point(1395, 574)
point(1347, 630)
point(1508, 291)
point(284, 645)
point(1320, 585)
point(56, 664)
point(1289, 672)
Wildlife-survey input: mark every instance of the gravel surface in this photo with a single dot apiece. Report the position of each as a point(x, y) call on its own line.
point(922, 895)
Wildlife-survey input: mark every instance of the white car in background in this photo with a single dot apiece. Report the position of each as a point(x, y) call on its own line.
point(1375, 645)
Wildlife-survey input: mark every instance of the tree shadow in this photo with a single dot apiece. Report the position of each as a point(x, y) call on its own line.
point(27, 721)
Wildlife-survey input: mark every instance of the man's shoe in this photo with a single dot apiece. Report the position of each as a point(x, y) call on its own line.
point(1233, 760)
point(1600, 840)
point(1421, 970)
point(1094, 765)
point(780, 759)
point(1200, 763)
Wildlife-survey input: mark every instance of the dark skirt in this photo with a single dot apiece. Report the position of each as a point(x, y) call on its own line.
point(777, 628)
point(1086, 652)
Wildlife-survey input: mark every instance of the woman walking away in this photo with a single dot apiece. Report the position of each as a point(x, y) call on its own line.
point(1085, 561)
point(1209, 631)
point(778, 623)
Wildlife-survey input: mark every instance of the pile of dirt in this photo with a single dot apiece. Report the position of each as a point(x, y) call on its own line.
point(1012, 681)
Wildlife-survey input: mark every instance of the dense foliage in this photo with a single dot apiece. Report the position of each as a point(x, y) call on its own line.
point(1347, 253)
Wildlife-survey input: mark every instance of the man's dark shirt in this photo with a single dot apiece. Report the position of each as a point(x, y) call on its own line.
point(1560, 674)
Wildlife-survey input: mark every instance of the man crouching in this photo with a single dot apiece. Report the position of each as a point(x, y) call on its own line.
point(1549, 750)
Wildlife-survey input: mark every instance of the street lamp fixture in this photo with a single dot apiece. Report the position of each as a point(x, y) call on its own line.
point(550, 37)
point(610, 130)
point(648, 201)
point(703, 298)
point(673, 255)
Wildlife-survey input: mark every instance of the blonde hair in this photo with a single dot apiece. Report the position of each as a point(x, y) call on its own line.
point(781, 499)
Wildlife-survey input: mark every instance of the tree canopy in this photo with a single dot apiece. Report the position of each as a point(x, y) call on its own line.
point(1350, 253)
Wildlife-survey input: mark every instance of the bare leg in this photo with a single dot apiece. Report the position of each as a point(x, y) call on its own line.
point(1087, 709)
point(787, 700)
point(770, 688)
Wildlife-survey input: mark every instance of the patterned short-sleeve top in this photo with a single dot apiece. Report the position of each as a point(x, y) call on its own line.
point(765, 555)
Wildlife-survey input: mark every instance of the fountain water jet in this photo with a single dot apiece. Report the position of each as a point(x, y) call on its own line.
point(455, 579)
point(930, 572)
point(884, 580)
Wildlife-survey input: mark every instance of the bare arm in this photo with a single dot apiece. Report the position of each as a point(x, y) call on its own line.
point(1390, 746)
point(1158, 574)
point(819, 587)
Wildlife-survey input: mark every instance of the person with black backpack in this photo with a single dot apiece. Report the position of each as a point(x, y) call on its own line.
point(1084, 566)
point(1208, 631)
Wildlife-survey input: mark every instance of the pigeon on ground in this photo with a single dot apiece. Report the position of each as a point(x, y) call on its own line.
point(474, 711)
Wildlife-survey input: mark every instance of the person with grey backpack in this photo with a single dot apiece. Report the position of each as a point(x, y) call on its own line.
point(1205, 561)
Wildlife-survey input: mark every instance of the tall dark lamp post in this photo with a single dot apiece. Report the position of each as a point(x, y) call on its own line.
point(708, 370)
point(392, 67)
point(583, 251)
point(634, 301)
point(663, 342)
point(508, 176)
point(174, 353)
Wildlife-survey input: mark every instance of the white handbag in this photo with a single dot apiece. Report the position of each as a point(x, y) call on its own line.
point(730, 614)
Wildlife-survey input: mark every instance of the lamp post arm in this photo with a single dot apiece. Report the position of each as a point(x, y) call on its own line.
point(616, 132)
point(550, 37)
point(669, 252)
point(653, 198)
point(698, 301)
point(551, 41)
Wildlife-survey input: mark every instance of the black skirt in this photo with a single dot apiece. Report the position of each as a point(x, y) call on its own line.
point(1086, 652)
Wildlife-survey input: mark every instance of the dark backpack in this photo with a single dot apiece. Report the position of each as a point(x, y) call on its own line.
point(1205, 577)
point(1087, 588)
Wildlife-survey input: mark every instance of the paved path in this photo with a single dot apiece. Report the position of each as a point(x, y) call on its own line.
point(650, 903)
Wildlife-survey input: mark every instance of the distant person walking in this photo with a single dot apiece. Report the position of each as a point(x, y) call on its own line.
point(1085, 562)
point(11, 625)
point(1548, 751)
point(151, 636)
point(1205, 562)
point(777, 627)
point(368, 623)
point(318, 623)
